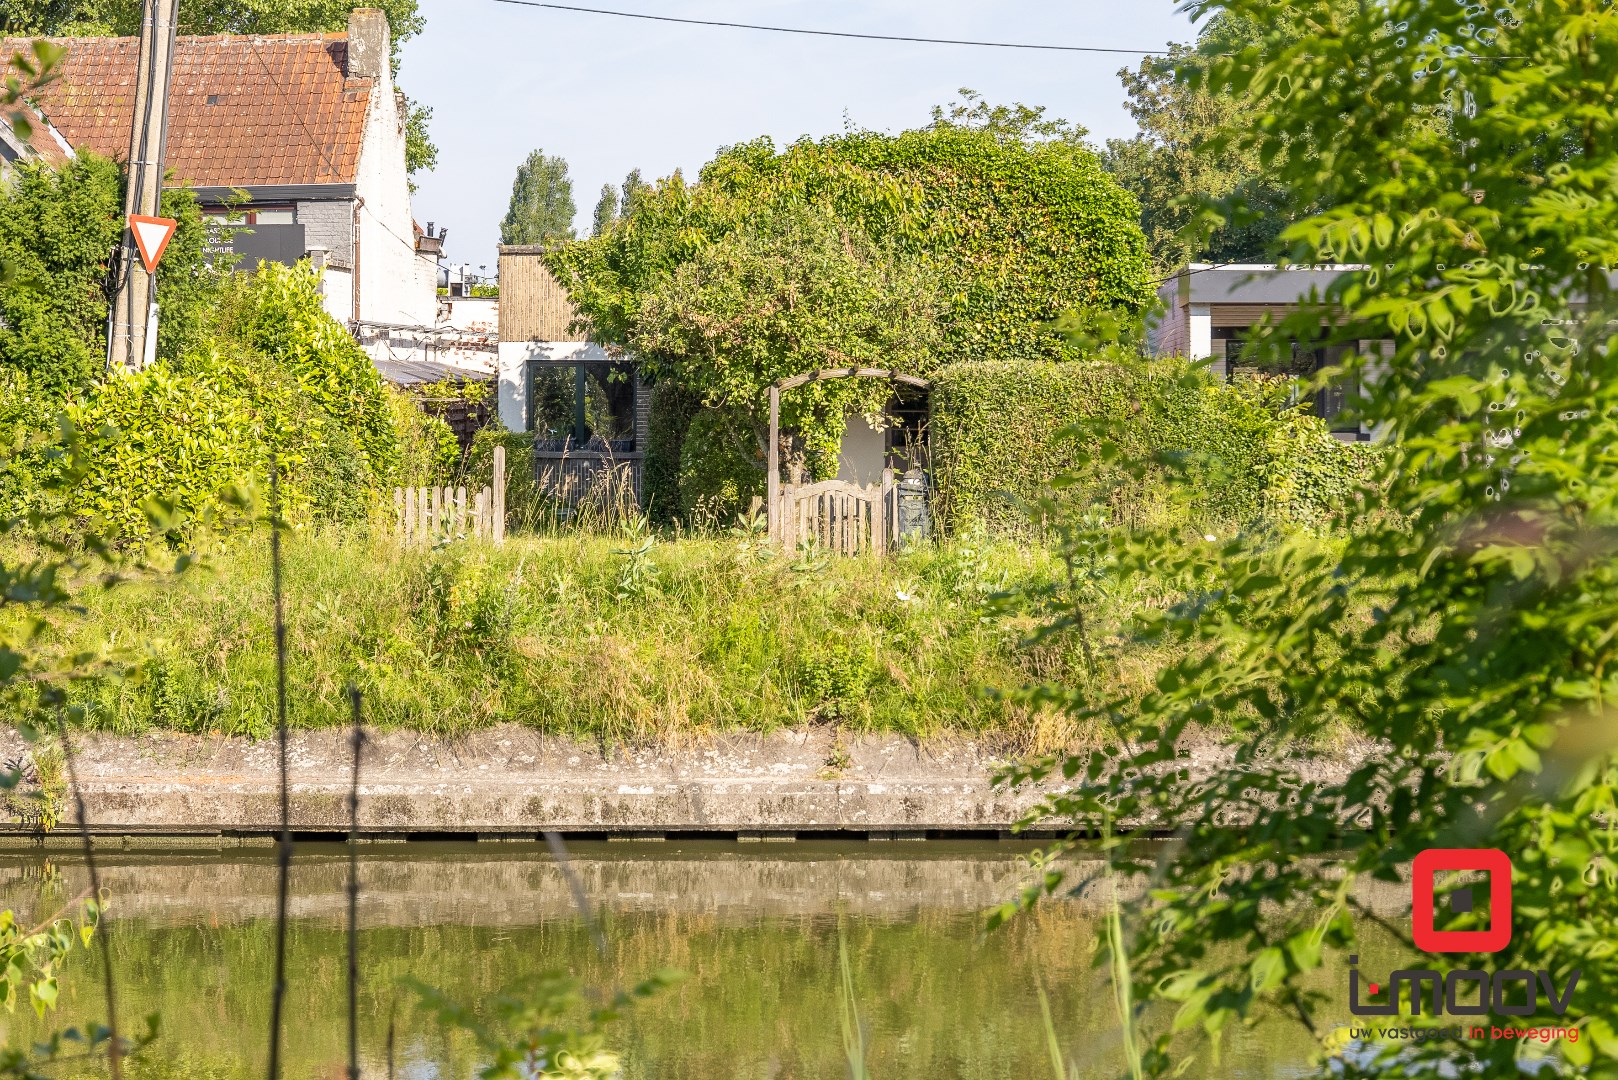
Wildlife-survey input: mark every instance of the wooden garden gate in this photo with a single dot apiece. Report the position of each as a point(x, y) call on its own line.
point(841, 517)
point(846, 518)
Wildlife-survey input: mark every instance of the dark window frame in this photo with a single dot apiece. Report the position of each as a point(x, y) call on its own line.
point(1318, 357)
point(579, 436)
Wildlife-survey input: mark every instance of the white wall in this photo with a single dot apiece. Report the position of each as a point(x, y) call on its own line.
point(397, 285)
point(514, 357)
point(337, 293)
point(863, 454)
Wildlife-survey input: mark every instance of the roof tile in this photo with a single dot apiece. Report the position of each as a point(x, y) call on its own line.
point(282, 110)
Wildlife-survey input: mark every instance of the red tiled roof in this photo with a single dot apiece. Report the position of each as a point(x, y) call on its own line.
point(282, 113)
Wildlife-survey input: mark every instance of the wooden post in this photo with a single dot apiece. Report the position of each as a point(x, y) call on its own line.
point(132, 320)
point(881, 514)
point(460, 511)
point(772, 486)
point(498, 511)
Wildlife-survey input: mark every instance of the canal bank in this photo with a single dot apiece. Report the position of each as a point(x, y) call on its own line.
point(511, 783)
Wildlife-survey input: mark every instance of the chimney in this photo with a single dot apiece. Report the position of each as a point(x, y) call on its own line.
point(370, 45)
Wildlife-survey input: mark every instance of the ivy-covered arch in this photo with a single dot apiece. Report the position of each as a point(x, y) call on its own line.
point(773, 480)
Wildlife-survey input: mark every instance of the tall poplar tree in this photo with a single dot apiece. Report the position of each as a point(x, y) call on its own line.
point(542, 209)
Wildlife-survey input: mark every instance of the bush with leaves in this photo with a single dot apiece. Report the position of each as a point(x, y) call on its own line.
point(1002, 431)
point(58, 232)
point(950, 243)
point(276, 376)
point(721, 467)
point(282, 317)
point(1465, 628)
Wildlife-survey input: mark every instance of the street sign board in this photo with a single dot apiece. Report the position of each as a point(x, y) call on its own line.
point(152, 236)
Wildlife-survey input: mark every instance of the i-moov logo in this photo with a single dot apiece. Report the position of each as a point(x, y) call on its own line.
point(1464, 991)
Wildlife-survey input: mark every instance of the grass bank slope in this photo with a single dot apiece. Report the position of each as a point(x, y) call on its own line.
point(608, 639)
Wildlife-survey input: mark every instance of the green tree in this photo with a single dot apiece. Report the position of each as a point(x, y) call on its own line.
point(1202, 197)
point(606, 211)
point(959, 241)
point(58, 230)
point(792, 291)
point(541, 210)
point(1016, 123)
point(632, 189)
point(122, 17)
point(1464, 629)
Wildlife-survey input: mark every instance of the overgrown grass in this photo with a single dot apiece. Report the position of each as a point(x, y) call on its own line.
point(614, 639)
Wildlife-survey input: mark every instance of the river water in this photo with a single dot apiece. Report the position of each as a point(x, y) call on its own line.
point(756, 928)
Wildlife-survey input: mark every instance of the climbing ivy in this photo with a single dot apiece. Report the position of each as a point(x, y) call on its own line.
point(946, 244)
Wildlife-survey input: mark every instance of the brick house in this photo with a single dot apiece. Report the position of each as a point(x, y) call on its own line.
point(298, 137)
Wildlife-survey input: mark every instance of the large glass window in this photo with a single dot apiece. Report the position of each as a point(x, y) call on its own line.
point(1296, 360)
point(582, 407)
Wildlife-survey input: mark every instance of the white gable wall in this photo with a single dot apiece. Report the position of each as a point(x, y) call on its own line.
point(397, 285)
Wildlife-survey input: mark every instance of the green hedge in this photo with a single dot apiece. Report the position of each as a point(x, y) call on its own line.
point(1000, 435)
point(274, 375)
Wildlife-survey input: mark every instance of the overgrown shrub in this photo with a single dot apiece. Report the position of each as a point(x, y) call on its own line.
point(274, 375)
point(429, 452)
point(672, 410)
point(1002, 431)
point(284, 319)
point(58, 231)
point(720, 469)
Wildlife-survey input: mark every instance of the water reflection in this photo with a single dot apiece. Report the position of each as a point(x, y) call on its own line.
point(755, 927)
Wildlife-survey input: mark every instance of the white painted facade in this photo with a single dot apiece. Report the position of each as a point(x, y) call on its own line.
point(398, 285)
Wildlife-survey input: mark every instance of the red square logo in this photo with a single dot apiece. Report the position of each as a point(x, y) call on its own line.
point(1425, 872)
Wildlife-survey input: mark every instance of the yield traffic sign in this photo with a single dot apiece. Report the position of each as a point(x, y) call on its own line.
point(152, 236)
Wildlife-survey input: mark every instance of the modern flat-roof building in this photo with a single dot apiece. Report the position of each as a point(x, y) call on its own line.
point(1211, 308)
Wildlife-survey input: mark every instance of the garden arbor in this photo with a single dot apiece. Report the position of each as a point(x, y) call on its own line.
point(844, 516)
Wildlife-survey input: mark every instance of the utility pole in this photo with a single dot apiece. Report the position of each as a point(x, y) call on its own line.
point(133, 337)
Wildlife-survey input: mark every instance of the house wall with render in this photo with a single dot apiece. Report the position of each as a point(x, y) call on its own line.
point(397, 284)
point(536, 323)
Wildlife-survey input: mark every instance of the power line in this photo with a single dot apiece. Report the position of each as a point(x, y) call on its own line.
point(836, 33)
point(1474, 57)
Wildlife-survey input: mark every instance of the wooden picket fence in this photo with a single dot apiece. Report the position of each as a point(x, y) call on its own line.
point(427, 515)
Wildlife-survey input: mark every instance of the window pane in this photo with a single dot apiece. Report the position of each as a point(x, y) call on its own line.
point(609, 403)
point(609, 407)
point(550, 411)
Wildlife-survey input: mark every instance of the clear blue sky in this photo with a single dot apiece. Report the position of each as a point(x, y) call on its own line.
point(612, 94)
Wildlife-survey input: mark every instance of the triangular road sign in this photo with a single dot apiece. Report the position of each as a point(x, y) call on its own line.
point(152, 236)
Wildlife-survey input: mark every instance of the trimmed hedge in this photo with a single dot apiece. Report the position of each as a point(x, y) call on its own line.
point(1000, 436)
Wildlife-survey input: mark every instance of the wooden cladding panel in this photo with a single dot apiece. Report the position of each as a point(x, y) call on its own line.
point(533, 304)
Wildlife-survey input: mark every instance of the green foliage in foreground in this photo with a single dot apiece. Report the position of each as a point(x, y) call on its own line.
point(275, 375)
point(1003, 431)
point(57, 231)
point(1469, 631)
point(615, 639)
